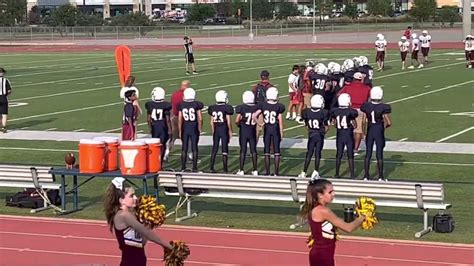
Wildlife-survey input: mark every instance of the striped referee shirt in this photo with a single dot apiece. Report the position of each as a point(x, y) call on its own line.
point(5, 87)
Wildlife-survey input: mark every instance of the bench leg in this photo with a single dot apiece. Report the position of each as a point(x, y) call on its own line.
point(189, 213)
point(45, 207)
point(426, 228)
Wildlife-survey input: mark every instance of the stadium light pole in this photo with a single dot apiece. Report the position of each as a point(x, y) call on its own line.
point(251, 22)
point(466, 18)
point(313, 39)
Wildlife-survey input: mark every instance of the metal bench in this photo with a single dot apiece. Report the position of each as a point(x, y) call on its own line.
point(424, 196)
point(24, 176)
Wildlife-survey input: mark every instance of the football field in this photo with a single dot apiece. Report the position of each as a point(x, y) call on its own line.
point(79, 92)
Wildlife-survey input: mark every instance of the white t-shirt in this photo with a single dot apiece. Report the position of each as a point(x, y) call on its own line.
point(415, 45)
point(404, 46)
point(380, 45)
point(125, 89)
point(469, 45)
point(425, 41)
point(292, 79)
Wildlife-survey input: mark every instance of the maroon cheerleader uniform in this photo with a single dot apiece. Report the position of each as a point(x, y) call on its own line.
point(324, 235)
point(132, 246)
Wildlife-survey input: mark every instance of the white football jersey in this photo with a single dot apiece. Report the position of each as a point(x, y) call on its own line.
point(380, 45)
point(292, 79)
point(415, 45)
point(425, 41)
point(404, 46)
point(469, 45)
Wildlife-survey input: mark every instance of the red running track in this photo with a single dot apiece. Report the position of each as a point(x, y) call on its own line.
point(45, 241)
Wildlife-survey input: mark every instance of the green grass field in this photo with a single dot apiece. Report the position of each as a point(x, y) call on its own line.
point(79, 92)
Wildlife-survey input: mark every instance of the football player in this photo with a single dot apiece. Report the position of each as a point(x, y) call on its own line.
point(316, 119)
point(378, 116)
point(425, 40)
point(130, 116)
point(366, 70)
point(158, 118)
point(221, 128)
point(348, 69)
point(272, 111)
point(380, 49)
point(415, 47)
point(469, 51)
point(190, 126)
point(337, 82)
point(247, 133)
point(293, 94)
point(344, 118)
point(404, 46)
point(320, 81)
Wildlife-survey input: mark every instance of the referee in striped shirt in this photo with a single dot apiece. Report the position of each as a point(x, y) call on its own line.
point(5, 90)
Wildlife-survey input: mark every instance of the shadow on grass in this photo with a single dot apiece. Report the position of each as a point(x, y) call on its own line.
point(29, 123)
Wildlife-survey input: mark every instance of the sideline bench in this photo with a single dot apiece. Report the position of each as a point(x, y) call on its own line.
point(24, 176)
point(186, 185)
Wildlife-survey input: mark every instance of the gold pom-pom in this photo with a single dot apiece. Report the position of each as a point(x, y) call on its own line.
point(310, 241)
point(176, 255)
point(366, 206)
point(149, 213)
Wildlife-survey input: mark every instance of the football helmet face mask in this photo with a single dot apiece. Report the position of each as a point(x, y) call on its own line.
point(310, 64)
point(317, 102)
point(425, 32)
point(189, 94)
point(158, 94)
point(248, 97)
point(376, 93)
point(331, 66)
point(222, 97)
point(363, 60)
point(272, 94)
point(321, 69)
point(344, 100)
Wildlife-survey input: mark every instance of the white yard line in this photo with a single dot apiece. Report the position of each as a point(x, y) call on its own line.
point(79, 130)
point(51, 129)
point(403, 139)
point(331, 137)
point(455, 135)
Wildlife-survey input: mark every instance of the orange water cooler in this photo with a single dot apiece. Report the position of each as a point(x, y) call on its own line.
point(111, 152)
point(154, 154)
point(133, 157)
point(91, 156)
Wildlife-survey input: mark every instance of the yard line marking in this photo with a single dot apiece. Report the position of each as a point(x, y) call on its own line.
point(213, 84)
point(332, 137)
point(297, 137)
point(416, 70)
point(139, 131)
point(290, 128)
point(173, 84)
point(403, 139)
point(454, 135)
point(427, 86)
point(441, 112)
point(24, 127)
point(404, 86)
point(157, 69)
point(430, 92)
point(79, 130)
point(119, 128)
point(99, 83)
point(51, 129)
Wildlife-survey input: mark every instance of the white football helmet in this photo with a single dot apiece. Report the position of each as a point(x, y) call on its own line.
point(318, 67)
point(310, 64)
point(380, 37)
point(344, 100)
point(424, 32)
point(222, 97)
point(322, 70)
point(189, 94)
point(376, 93)
point(272, 94)
point(356, 61)
point(158, 94)
point(413, 36)
point(347, 65)
point(331, 66)
point(363, 60)
point(404, 38)
point(317, 101)
point(248, 97)
point(336, 68)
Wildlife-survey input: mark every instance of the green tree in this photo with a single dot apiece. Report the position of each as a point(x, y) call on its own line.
point(64, 16)
point(379, 7)
point(262, 9)
point(422, 10)
point(12, 12)
point(287, 9)
point(90, 20)
point(132, 19)
point(199, 12)
point(323, 8)
point(225, 8)
point(448, 14)
point(351, 10)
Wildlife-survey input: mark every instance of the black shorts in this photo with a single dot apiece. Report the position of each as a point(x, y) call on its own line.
point(380, 56)
point(414, 55)
point(189, 58)
point(3, 105)
point(425, 51)
point(403, 55)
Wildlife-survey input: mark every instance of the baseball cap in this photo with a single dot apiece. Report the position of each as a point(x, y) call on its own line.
point(358, 75)
point(264, 73)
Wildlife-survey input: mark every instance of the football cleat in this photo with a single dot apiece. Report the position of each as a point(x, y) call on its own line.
point(189, 94)
point(317, 101)
point(411, 67)
point(240, 172)
point(315, 175)
point(272, 94)
point(344, 100)
point(158, 94)
point(222, 97)
point(302, 175)
point(248, 97)
point(255, 173)
point(420, 66)
point(376, 93)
